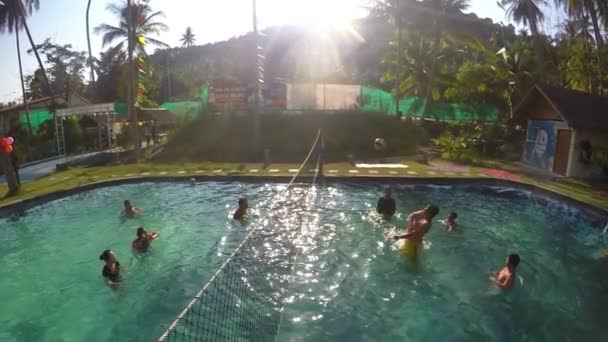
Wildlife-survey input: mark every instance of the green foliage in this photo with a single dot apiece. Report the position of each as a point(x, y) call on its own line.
point(74, 136)
point(229, 137)
point(65, 67)
point(145, 25)
point(454, 147)
point(600, 159)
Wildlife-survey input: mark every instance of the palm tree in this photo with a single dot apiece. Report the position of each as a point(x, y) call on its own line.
point(145, 25)
point(10, 20)
point(528, 12)
point(91, 62)
point(583, 10)
point(13, 17)
point(571, 30)
point(188, 38)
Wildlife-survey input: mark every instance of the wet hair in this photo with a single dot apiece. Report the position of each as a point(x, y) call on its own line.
point(242, 201)
point(105, 255)
point(433, 210)
point(140, 231)
point(127, 202)
point(453, 215)
point(513, 260)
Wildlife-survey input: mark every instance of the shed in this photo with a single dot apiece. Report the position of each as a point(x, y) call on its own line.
point(564, 127)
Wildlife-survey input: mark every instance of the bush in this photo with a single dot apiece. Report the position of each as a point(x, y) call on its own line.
point(600, 158)
point(491, 140)
point(457, 148)
point(229, 137)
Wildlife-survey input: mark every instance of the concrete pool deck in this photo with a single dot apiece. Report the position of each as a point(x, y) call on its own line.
point(77, 178)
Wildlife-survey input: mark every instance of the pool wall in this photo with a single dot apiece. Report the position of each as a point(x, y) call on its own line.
point(597, 216)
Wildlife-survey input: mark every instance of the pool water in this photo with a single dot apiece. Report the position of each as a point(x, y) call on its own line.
point(352, 284)
point(349, 282)
point(51, 287)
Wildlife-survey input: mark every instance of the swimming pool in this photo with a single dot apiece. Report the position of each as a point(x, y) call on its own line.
point(349, 283)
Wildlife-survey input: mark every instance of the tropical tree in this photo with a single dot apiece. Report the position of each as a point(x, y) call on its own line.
point(12, 18)
point(91, 61)
point(66, 66)
point(583, 10)
point(188, 38)
point(572, 30)
point(111, 68)
point(145, 26)
point(529, 13)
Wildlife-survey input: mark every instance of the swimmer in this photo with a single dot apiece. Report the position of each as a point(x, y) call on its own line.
point(451, 222)
point(192, 181)
point(111, 271)
point(241, 211)
point(143, 239)
point(417, 226)
point(386, 205)
point(506, 277)
point(130, 210)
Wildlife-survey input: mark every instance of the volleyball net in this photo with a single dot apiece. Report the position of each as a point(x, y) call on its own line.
point(244, 299)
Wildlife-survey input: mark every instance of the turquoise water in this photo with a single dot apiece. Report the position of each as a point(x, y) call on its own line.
point(349, 283)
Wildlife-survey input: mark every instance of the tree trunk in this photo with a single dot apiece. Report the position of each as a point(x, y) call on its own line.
point(428, 99)
point(9, 174)
point(538, 47)
point(131, 88)
point(25, 104)
point(599, 41)
point(40, 64)
point(89, 45)
point(398, 90)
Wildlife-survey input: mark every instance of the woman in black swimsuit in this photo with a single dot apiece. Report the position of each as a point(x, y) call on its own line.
point(111, 271)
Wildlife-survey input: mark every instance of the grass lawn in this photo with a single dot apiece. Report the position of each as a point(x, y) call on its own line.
point(592, 193)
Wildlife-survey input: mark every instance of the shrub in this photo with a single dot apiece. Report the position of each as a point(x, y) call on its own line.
point(600, 158)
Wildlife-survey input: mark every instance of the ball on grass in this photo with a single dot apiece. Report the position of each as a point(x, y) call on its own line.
point(379, 144)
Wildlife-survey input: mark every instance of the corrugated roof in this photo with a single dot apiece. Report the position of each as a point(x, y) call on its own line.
point(580, 110)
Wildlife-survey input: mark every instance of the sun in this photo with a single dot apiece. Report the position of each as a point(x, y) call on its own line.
point(318, 15)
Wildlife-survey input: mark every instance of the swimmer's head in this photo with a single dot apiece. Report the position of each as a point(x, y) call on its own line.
point(387, 192)
point(128, 204)
point(243, 203)
point(192, 181)
point(432, 211)
point(141, 232)
point(453, 216)
point(513, 260)
point(107, 256)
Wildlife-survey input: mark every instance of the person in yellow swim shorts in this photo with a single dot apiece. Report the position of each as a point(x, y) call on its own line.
point(418, 225)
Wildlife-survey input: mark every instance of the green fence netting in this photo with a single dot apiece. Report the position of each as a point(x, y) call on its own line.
point(380, 101)
point(187, 108)
point(37, 117)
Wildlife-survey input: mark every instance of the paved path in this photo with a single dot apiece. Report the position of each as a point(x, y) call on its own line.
point(33, 172)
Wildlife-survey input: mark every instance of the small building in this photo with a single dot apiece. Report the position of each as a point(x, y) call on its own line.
point(11, 116)
point(564, 127)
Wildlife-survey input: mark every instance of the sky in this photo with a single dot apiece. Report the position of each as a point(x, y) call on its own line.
point(211, 20)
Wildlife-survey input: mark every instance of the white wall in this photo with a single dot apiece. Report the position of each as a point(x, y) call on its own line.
point(576, 168)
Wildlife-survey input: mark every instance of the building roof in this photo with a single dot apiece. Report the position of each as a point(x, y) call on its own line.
point(21, 105)
point(579, 109)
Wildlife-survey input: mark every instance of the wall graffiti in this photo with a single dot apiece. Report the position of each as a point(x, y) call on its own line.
point(540, 144)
